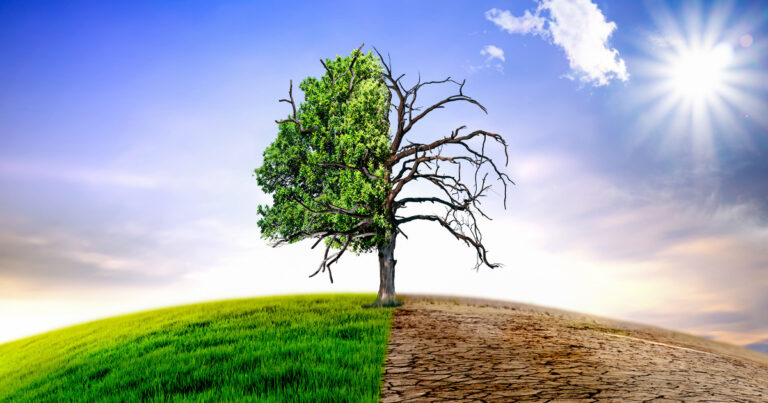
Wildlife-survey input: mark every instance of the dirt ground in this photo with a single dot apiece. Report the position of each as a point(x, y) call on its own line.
point(448, 349)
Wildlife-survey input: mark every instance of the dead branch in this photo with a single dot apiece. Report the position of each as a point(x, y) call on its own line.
point(463, 231)
point(294, 118)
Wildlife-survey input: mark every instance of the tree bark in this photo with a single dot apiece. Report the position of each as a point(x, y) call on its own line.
point(387, 273)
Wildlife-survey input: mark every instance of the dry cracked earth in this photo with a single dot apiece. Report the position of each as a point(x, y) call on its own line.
point(448, 349)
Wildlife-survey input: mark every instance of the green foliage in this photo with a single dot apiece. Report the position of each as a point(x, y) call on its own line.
point(303, 171)
point(314, 348)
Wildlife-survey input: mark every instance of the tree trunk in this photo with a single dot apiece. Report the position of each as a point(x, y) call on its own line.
point(387, 273)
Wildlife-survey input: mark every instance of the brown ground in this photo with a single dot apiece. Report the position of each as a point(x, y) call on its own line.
point(476, 350)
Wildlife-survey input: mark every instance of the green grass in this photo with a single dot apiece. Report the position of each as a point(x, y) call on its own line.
point(314, 348)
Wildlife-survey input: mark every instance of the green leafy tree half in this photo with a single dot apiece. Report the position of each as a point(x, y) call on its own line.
point(338, 168)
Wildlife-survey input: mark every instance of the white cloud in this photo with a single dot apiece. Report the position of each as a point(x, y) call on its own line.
point(494, 56)
point(526, 24)
point(492, 52)
point(579, 28)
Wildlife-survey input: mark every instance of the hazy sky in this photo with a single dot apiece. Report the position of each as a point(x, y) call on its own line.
point(638, 135)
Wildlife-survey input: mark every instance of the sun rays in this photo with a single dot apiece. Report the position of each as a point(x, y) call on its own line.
point(701, 81)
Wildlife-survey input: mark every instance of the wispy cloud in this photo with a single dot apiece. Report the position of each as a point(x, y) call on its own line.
point(661, 252)
point(59, 257)
point(492, 52)
point(81, 175)
point(494, 57)
point(579, 28)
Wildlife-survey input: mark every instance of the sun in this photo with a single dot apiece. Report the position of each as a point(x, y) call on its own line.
point(698, 75)
point(700, 83)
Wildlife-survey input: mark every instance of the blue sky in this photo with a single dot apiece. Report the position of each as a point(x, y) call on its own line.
point(129, 132)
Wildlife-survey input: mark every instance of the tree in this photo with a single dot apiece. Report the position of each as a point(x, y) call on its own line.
point(336, 172)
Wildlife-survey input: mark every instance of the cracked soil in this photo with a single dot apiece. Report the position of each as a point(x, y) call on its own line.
point(449, 349)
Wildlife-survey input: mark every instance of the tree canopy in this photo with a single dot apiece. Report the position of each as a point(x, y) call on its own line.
point(336, 169)
point(327, 168)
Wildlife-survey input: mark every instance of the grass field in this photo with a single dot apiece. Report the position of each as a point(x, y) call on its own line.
point(317, 348)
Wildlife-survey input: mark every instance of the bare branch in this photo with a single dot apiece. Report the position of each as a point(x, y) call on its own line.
point(473, 240)
point(329, 260)
point(351, 64)
point(449, 204)
point(328, 208)
point(454, 138)
point(439, 105)
point(330, 73)
point(361, 169)
point(396, 87)
point(294, 118)
point(350, 69)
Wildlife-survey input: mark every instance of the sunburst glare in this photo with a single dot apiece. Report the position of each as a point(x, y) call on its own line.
point(700, 74)
point(702, 82)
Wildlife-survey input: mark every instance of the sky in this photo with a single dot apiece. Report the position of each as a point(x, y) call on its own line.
point(637, 132)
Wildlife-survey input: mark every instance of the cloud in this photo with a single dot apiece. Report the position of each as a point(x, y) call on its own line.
point(651, 252)
point(494, 56)
point(668, 252)
point(579, 28)
point(527, 24)
point(52, 257)
point(95, 177)
point(492, 52)
point(761, 346)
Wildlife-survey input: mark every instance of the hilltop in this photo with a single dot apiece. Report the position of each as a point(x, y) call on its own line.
point(329, 348)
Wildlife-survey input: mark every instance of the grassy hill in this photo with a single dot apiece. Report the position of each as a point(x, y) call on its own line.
point(308, 348)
